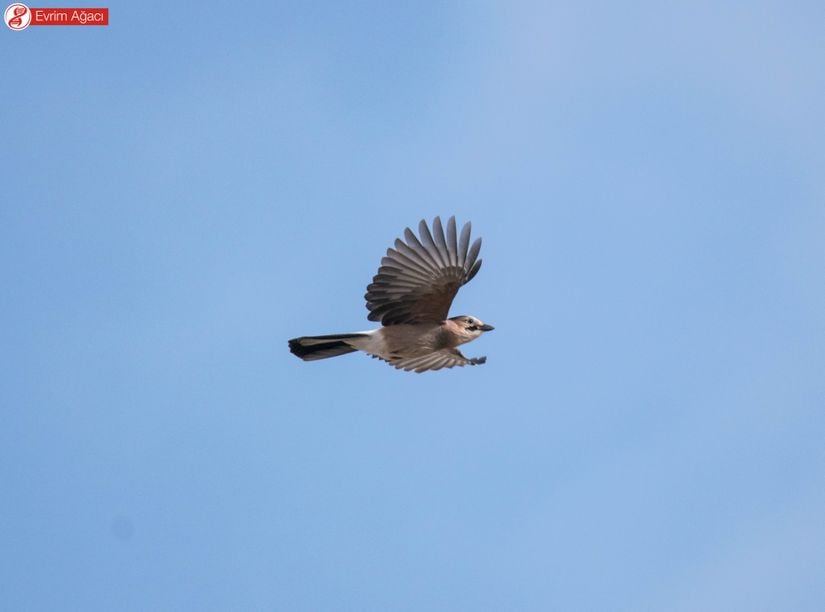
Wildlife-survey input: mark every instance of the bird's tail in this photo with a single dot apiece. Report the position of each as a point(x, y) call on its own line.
point(311, 348)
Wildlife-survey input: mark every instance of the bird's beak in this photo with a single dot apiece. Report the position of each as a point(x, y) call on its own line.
point(486, 327)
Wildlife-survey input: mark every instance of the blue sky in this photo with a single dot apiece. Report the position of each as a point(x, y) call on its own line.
point(186, 189)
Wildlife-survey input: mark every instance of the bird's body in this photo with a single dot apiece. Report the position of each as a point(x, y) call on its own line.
point(411, 296)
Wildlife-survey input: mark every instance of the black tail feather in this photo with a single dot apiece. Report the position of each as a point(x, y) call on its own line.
point(311, 348)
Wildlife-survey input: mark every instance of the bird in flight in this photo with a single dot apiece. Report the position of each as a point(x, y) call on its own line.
point(411, 297)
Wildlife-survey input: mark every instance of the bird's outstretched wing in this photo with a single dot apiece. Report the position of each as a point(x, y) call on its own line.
point(445, 358)
point(419, 278)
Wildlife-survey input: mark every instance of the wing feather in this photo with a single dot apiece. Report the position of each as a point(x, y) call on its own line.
point(415, 244)
point(463, 243)
point(429, 244)
point(452, 246)
point(413, 256)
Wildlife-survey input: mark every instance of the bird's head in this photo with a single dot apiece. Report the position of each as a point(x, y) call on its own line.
point(471, 327)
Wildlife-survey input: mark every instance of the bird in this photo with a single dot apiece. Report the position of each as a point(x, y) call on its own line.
point(411, 297)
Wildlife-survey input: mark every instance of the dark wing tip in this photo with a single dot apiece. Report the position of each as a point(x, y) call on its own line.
point(472, 271)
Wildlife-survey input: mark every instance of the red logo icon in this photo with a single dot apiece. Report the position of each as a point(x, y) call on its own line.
point(18, 16)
